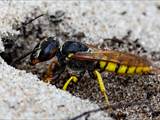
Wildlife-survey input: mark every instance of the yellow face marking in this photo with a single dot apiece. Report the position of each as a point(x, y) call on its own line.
point(102, 64)
point(122, 69)
point(111, 67)
point(139, 70)
point(131, 70)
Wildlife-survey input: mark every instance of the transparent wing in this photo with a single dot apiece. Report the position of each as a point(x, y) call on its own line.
point(112, 56)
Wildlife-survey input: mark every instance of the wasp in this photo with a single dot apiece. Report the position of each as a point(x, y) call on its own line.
point(83, 58)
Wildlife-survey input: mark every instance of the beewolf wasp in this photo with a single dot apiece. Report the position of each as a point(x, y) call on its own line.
point(82, 57)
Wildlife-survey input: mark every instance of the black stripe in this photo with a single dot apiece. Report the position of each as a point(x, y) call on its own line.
point(117, 67)
point(133, 71)
point(127, 69)
point(104, 67)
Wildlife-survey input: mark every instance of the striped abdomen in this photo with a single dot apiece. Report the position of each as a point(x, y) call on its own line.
point(124, 69)
point(119, 62)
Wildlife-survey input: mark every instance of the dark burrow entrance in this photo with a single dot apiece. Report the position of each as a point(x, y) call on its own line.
point(120, 89)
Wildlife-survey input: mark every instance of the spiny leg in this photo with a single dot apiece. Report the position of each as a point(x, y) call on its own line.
point(101, 85)
point(72, 78)
point(49, 75)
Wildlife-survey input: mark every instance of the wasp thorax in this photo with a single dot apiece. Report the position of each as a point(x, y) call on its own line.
point(73, 47)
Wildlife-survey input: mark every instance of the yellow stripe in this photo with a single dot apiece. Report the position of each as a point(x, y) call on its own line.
point(146, 69)
point(131, 70)
point(111, 67)
point(122, 69)
point(102, 64)
point(139, 70)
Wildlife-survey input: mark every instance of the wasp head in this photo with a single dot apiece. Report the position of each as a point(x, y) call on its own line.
point(44, 50)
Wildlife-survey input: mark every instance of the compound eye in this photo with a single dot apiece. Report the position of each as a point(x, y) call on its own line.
point(44, 51)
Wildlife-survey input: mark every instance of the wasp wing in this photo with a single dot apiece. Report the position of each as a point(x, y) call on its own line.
point(112, 56)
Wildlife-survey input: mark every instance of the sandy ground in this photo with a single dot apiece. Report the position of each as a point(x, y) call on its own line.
point(24, 96)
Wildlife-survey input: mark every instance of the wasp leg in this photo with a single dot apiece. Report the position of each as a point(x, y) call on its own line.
point(101, 85)
point(49, 75)
point(74, 78)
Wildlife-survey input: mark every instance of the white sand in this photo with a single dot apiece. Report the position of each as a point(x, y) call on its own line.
point(22, 95)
